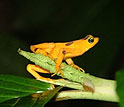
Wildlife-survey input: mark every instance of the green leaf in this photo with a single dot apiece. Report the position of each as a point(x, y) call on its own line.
point(27, 101)
point(45, 62)
point(34, 100)
point(2, 99)
point(15, 87)
point(9, 103)
point(46, 96)
point(120, 86)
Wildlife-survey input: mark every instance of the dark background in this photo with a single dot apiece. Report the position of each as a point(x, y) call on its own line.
point(27, 22)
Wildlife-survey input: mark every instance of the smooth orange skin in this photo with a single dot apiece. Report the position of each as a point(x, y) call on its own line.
point(77, 48)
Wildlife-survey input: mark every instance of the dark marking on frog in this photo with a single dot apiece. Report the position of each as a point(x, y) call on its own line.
point(86, 37)
point(64, 52)
point(69, 43)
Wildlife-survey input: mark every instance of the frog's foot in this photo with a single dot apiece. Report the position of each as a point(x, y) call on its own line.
point(58, 70)
point(77, 67)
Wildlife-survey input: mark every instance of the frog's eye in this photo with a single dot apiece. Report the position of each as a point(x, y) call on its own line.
point(91, 40)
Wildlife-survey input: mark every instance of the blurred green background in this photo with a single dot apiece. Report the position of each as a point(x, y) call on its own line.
point(27, 22)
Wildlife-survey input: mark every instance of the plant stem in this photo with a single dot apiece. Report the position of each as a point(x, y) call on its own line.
point(104, 92)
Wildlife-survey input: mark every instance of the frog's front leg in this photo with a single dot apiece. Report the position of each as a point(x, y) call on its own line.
point(33, 69)
point(60, 57)
point(70, 62)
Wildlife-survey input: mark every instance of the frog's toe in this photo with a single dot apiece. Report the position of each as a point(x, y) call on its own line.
point(77, 67)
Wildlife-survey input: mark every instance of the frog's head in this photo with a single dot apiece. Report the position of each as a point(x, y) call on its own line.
point(89, 42)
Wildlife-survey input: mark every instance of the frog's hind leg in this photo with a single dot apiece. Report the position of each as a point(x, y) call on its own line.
point(43, 48)
point(70, 62)
point(33, 69)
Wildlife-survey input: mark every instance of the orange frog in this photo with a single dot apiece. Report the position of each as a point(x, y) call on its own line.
point(61, 51)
